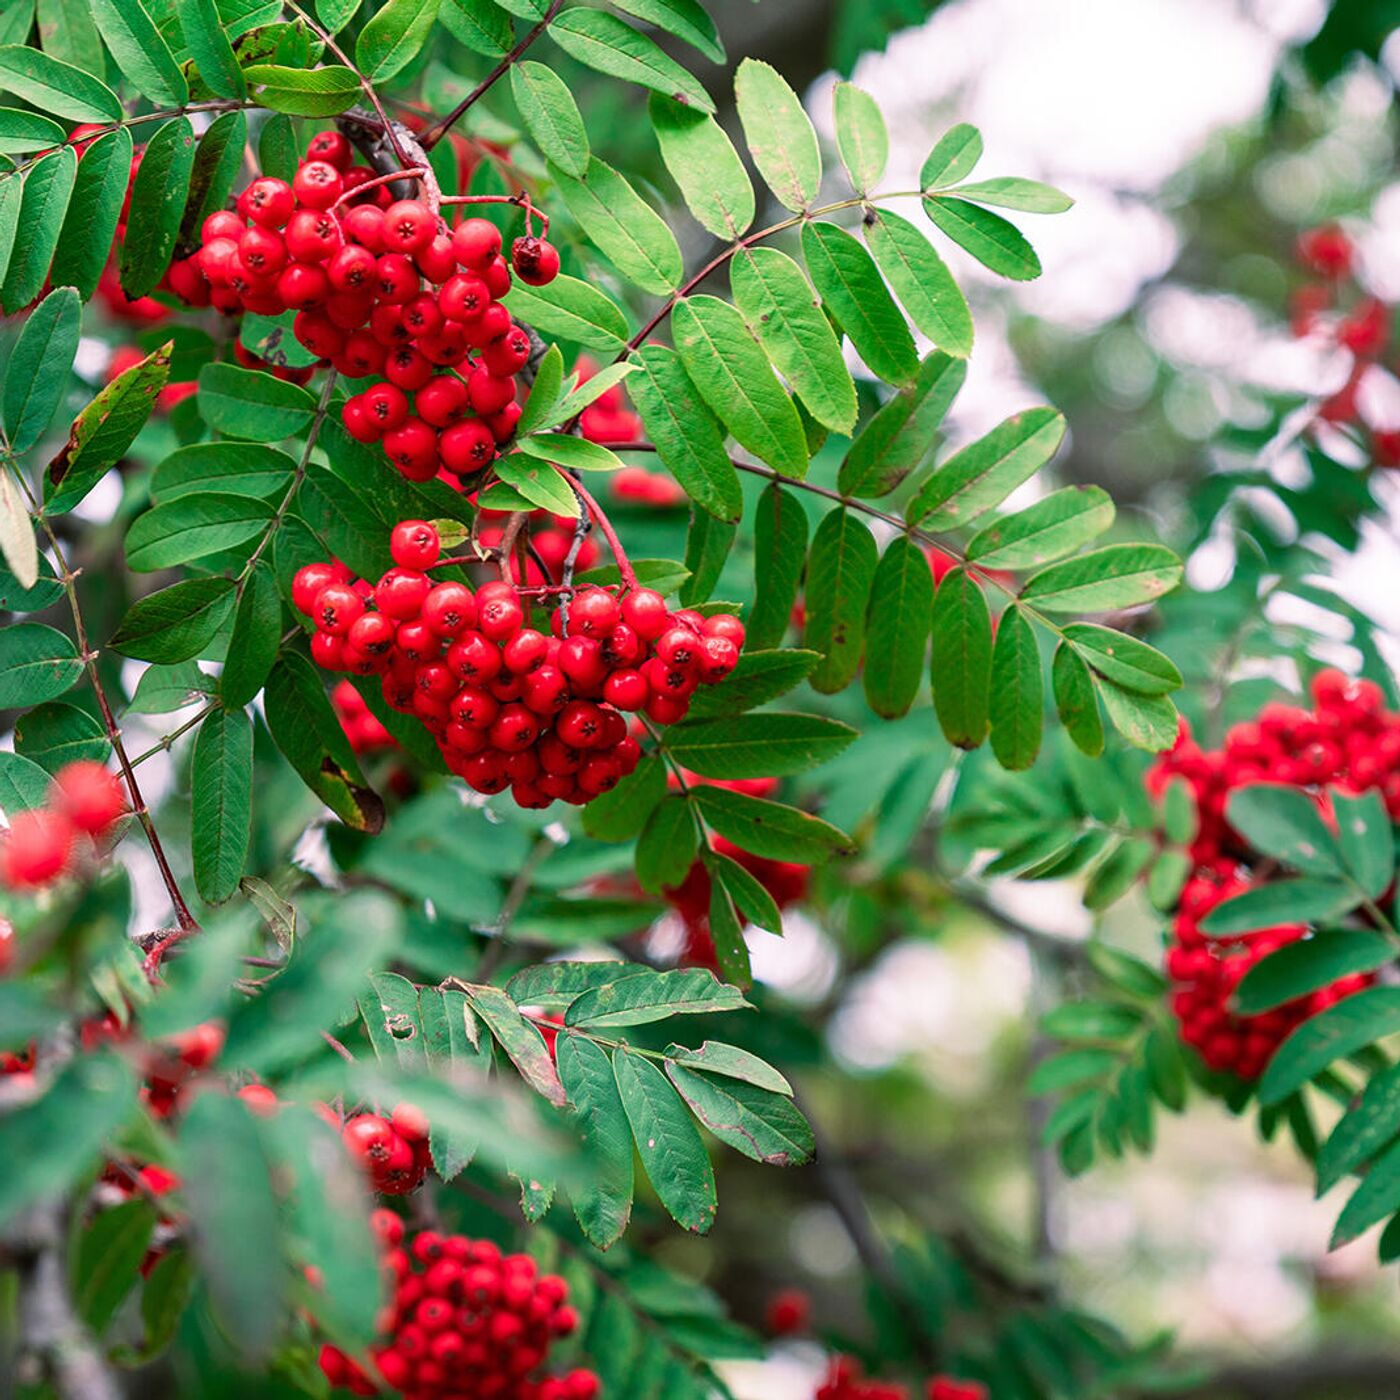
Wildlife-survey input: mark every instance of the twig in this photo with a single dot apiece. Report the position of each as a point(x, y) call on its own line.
point(438, 130)
point(624, 566)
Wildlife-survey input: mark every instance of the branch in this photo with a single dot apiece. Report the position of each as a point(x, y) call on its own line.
point(1357, 1373)
point(438, 130)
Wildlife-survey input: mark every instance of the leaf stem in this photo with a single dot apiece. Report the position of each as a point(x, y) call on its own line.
point(438, 130)
point(183, 917)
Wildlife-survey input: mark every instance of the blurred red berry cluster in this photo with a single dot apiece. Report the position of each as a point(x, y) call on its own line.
point(45, 843)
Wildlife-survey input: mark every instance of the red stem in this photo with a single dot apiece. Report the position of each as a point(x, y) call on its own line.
point(624, 567)
point(414, 172)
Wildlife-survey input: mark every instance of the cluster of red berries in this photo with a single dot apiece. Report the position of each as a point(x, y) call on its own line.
point(845, 1381)
point(1349, 741)
point(466, 1322)
point(393, 1150)
point(352, 262)
point(45, 843)
point(1335, 309)
point(168, 1065)
point(510, 706)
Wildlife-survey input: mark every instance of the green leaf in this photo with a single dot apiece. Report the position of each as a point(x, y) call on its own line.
point(759, 677)
point(957, 151)
point(1365, 836)
point(104, 430)
point(921, 280)
point(482, 25)
point(762, 1125)
point(621, 814)
point(247, 403)
point(393, 37)
point(901, 616)
point(1284, 822)
point(305, 728)
point(108, 1260)
point(772, 830)
point(780, 135)
point(1123, 659)
point(705, 166)
point(625, 228)
point(1366, 1127)
point(1091, 1020)
point(11, 200)
point(686, 19)
point(572, 309)
point(771, 743)
point(780, 554)
point(716, 1057)
point(1017, 692)
point(734, 377)
point(221, 819)
point(982, 474)
point(551, 116)
point(36, 376)
point(208, 45)
point(66, 31)
point(1352, 1024)
point(1280, 902)
point(667, 1141)
point(56, 87)
point(521, 1041)
point(1071, 1069)
point(163, 689)
point(576, 454)
point(558, 983)
point(594, 387)
point(304, 92)
point(848, 281)
point(224, 468)
point(839, 578)
point(1147, 721)
point(37, 663)
point(1377, 1197)
point(601, 41)
point(1309, 964)
point(54, 1139)
point(217, 163)
point(17, 597)
point(226, 1181)
point(538, 482)
point(749, 898)
point(707, 546)
point(646, 996)
point(17, 542)
point(667, 846)
point(22, 132)
point(191, 527)
point(48, 186)
point(53, 735)
point(177, 622)
point(1055, 525)
point(688, 440)
point(861, 136)
point(777, 301)
point(1012, 192)
point(23, 786)
point(994, 242)
point(603, 1201)
point(902, 434)
point(1104, 580)
point(961, 664)
point(142, 55)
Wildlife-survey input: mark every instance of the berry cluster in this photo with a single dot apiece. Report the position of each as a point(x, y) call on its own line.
point(383, 289)
point(167, 1065)
point(45, 843)
point(466, 1321)
point(845, 1381)
point(1348, 741)
point(393, 1150)
point(510, 706)
point(1335, 309)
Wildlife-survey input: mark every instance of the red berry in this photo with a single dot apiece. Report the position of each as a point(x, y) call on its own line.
point(535, 261)
point(36, 849)
point(336, 609)
point(88, 795)
point(449, 609)
point(317, 184)
point(387, 406)
point(309, 580)
point(270, 201)
point(441, 401)
point(463, 297)
point(401, 592)
point(467, 447)
point(408, 226)
point(508, 354)
point(645, 612)
point(415, 544)
point(476, 242)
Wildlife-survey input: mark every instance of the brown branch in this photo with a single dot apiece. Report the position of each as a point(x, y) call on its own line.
point(438, 130)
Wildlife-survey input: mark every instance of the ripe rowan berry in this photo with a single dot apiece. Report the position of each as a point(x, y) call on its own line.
point(37, 848)
point(271, 202)
point(88, 795)
point(476, 242)
point(317, 184)
point(467, 447)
